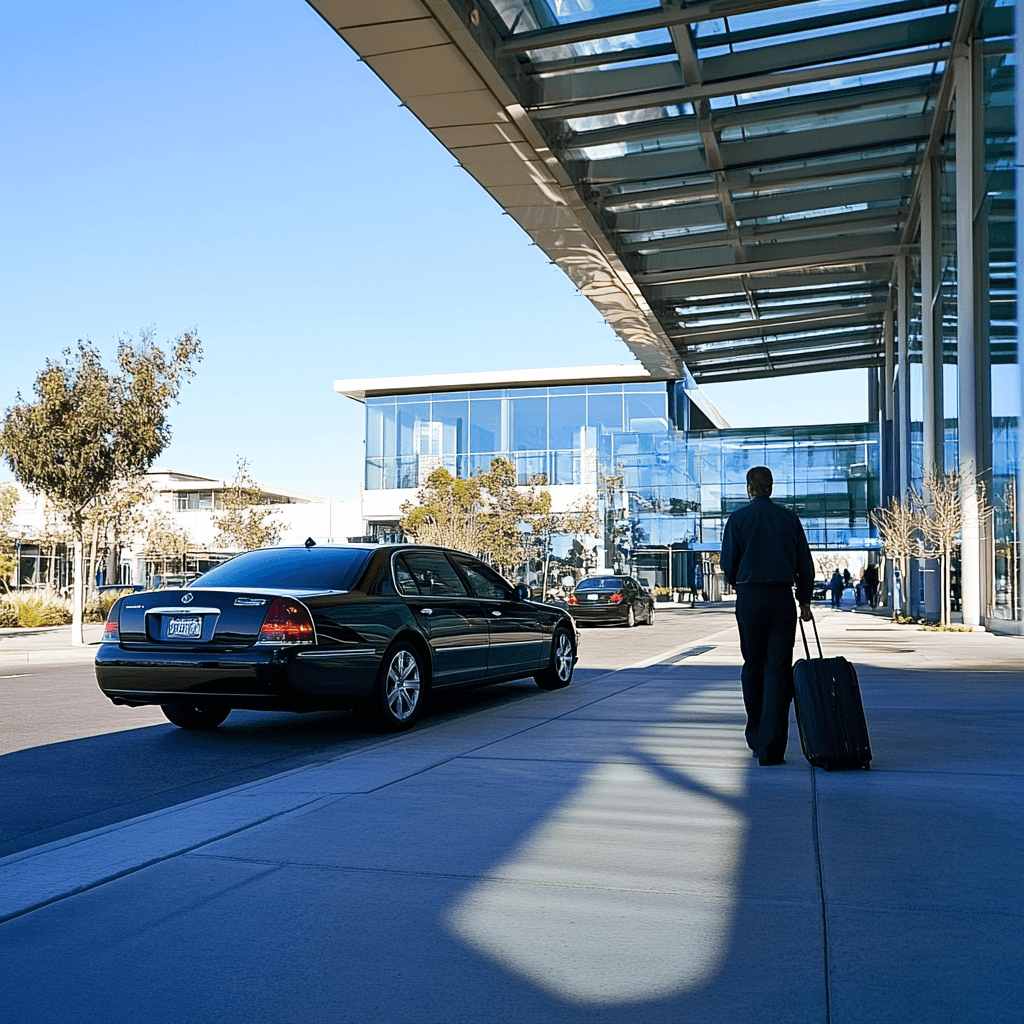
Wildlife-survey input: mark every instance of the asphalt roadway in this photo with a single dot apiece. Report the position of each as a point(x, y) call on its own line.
point(604, 853)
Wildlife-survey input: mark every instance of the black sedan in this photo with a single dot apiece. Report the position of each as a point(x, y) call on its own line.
point(324, 627)
point(620, 600)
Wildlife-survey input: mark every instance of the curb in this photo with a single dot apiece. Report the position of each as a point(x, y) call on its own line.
point(55, 656)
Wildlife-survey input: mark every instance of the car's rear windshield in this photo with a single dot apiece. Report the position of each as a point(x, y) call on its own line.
point(290, 568)
point(603, 583)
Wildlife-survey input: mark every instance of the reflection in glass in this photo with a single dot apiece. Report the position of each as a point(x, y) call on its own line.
point(528, 418)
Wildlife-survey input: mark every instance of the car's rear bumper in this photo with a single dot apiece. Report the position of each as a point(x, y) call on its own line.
point(256, 677)
point(608, 613)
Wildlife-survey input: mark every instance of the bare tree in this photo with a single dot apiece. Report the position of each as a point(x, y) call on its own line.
point(899, 529)
point(941, 519)
point(247, 520)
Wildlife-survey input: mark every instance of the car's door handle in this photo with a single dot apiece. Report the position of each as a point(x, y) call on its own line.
point(496, 614)
point(427, 611)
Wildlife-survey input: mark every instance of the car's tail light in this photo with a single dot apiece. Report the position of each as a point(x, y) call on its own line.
point(287, 622)
point(616, 598)
point(573, 599)
point(110, 631)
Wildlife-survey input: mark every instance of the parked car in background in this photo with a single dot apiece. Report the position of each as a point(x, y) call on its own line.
point(611, 600)
point(310, 628)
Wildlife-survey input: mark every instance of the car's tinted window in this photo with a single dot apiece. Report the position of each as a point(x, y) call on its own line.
point(403, 578)
point(316, 568)
point(432, 573)
point(483, 580)
point(603, 583)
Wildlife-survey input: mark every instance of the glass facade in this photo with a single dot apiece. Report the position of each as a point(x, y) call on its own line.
point(658, 487)
point(549, 432)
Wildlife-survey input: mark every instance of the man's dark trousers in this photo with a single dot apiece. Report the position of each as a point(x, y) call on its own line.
point(766, 616)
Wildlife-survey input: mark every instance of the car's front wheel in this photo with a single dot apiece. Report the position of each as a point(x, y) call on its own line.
point(559, 669)
point(630, 618)
point(399, 694)
point(185, 717)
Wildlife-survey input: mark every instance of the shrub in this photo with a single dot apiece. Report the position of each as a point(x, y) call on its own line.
point(8, 616)
point(97, 608)
point(34, 610)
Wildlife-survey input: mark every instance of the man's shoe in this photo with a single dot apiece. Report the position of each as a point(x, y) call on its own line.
point(766, 761)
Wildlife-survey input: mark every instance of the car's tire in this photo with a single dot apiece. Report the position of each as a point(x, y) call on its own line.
point(630, 618)
point(561, 664)
point(185, 717)
point(650, 616)
point(400, 693)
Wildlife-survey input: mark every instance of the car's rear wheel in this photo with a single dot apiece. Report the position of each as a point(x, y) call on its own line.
point(650, 616)
point(185, 717)
point(399, 694)
point(559, 670)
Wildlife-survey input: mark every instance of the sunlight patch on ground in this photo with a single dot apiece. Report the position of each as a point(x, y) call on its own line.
point(626, 893)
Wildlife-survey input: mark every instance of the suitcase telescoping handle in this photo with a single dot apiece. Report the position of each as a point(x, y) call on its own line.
point(803, 633)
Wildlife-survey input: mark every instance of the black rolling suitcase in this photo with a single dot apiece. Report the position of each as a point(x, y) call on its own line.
point(829, 712)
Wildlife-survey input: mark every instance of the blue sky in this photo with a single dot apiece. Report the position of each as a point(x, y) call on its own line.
point(232, 166)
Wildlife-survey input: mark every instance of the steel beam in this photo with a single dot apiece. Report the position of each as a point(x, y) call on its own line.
point(903, 374)
point(931, 323)
point(967, 421)
point(551, 110)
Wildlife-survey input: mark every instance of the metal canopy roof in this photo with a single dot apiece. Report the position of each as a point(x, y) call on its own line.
point(728, 181)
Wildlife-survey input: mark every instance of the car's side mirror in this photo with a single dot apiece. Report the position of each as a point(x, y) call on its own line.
point(521, 592)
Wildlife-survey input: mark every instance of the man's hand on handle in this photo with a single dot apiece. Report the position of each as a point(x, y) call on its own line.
point(805, 612)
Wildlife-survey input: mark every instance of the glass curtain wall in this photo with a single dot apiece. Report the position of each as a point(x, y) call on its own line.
point(997, 241)
point(550, 434)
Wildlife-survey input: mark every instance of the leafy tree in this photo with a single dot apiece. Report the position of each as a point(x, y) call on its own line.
point(446, 512)
point(8, 561)
point(117, 516)
point(246, 522)
point(89, 428)
point(506, 509)
point(166, 542)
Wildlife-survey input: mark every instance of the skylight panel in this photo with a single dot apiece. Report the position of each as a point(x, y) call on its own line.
point(824, 84)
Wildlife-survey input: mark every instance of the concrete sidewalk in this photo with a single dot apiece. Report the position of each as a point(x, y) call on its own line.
point(47, 645)
point(608, 852)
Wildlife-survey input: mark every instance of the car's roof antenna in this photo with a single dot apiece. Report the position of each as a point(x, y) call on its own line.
point(310, 543)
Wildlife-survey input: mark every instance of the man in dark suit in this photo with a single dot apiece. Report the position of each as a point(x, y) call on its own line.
point(764, 553)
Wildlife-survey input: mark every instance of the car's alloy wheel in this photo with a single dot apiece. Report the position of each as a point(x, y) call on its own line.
point(650, 616)
point(630, 617)
point(399, 694)
point(185, 717)
point(560, 668)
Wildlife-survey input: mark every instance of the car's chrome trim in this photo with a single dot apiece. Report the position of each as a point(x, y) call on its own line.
point(179, 610)
point(347, 653)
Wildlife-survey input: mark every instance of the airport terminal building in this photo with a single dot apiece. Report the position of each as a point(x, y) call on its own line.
point(659, 462)
point(742, 190)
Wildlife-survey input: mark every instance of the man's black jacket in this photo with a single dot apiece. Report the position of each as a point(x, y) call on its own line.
point(765, 543)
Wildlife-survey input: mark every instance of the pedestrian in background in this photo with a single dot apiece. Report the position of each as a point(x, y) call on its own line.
point(764, 553)
point(836, 586)
point(871, 583)
point(696, 583)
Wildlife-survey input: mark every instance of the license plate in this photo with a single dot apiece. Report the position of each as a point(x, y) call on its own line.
point(188, 627)
point(593, 597)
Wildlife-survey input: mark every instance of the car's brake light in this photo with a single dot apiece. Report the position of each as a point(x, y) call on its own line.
point(110, 631)
point(572, 599)
point(287, 622)
point(616, 598)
